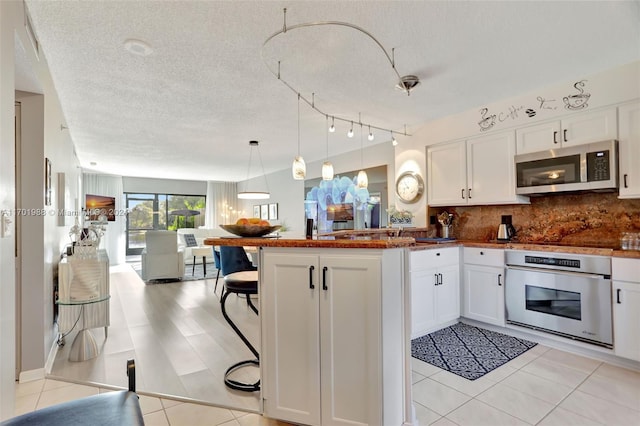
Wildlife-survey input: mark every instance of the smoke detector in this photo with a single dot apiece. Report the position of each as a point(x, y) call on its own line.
point(407, 83)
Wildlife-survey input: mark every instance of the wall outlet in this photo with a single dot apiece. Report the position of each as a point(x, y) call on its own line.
point(5, 224)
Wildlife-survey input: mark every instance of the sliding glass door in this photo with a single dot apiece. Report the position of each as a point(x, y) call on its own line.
point(160, 211)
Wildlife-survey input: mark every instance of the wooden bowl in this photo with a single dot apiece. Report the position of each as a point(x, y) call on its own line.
point(250, 230)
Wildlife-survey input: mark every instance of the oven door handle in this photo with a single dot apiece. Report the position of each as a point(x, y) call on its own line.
point(558, 272)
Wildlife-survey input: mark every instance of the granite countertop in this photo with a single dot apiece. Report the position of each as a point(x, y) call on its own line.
point(377, 242)
point(386, 239)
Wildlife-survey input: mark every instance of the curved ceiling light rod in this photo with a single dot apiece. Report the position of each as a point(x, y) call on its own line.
point(312, 103)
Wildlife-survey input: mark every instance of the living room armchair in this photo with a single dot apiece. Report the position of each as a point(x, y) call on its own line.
point(162, 259)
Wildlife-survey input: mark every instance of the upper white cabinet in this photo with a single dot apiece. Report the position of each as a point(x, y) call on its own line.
point(325, 316)
point(626, 307)
point(629, 150)
point(577, 129)
point(473, 172)
point(435, 289)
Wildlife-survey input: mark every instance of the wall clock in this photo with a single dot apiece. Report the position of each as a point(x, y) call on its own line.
point(409, 187)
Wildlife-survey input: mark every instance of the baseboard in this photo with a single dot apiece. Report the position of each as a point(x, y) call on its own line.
point(31, 375)
point(48, 366)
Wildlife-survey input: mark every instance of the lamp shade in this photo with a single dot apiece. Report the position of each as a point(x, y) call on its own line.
point(299, 168)
point(363, 179)
point(327, 171)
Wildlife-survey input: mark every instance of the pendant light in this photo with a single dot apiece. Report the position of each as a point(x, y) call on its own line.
point(362, 180)
point(327, 167)
point(299, 168)
point(255, 195)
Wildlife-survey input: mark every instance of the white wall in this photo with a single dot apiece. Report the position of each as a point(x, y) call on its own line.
point(290, 194)
point(614, 86)
point(42, 118)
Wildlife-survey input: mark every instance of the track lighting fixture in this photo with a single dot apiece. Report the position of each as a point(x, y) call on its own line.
point(327, 167)
point(299, 168)
point(406, 83)
point(362, 181)
point(394, 142)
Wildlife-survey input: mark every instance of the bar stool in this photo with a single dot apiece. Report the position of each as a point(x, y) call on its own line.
point(200, 251)
point(240, 277)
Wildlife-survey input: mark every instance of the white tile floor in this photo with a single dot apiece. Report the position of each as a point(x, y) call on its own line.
point(541, 387)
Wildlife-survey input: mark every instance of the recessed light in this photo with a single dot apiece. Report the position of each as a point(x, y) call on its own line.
point(138, 47)
point(93, 163)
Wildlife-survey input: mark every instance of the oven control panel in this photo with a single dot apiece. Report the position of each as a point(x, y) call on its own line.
point(553, 261)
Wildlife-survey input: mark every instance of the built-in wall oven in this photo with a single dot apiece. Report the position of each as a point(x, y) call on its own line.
point(565, 294)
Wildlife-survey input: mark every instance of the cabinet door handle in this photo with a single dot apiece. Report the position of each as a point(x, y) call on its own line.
point(555, 137)
point(469, 193)
point(618, 296)
point(324, 278)
point(564, 135)
point(311, 286)
point(435, 279)
point(440, 281)
point(462, 193)
point(625, 180)
point(499, 276)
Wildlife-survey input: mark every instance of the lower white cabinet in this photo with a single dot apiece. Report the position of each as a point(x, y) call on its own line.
point(483, 295)
point(325, 315)
point(626, 307)
point(435, 289)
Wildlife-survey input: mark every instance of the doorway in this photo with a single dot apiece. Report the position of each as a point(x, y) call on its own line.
point(17, 239)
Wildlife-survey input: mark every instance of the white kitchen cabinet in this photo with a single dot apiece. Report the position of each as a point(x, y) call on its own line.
point(626, 307)
point(325, 315)
point(447, 174)
point(577, 129)
point(435, 289)
point(483, 294)
point(629, 149)
point(477, 171)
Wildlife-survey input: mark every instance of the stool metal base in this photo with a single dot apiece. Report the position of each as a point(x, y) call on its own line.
point(84, 347)
point(245, 387)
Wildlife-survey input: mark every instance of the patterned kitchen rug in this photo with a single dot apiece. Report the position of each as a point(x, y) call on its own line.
point(468, 351)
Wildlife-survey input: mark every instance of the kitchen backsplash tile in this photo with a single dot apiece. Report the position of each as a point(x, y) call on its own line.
point(591, 219)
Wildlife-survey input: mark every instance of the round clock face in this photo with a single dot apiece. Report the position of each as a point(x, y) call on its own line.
point(409, 187)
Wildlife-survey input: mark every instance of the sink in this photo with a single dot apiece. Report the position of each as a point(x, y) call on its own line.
point(438, 240)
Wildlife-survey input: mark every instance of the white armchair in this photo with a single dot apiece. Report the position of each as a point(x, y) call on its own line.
point(162, 259)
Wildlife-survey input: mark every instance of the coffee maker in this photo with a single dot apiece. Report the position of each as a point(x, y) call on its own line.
point(506, 231)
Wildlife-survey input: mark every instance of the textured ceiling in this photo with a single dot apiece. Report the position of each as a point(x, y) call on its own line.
point(188, 110)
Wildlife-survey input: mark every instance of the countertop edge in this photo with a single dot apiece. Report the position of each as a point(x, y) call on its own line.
point(410, 244)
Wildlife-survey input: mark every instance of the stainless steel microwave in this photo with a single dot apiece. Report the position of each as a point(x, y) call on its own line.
point(578, 168)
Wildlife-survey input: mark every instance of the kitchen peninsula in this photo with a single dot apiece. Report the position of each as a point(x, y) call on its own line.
point(334, 330)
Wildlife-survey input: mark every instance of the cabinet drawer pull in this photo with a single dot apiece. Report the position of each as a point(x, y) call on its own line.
point(481, 253)
point(311, 286)
point(499, 276)
point(324, 278)
point(462, 193)
point(625, 181)
point(564, 135)
point(555, 137)
point(618, 296)
point(437, 254)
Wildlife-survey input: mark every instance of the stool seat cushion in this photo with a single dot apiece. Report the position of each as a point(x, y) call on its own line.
point(201, 251)
point(245, 282)
point(241, 277)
